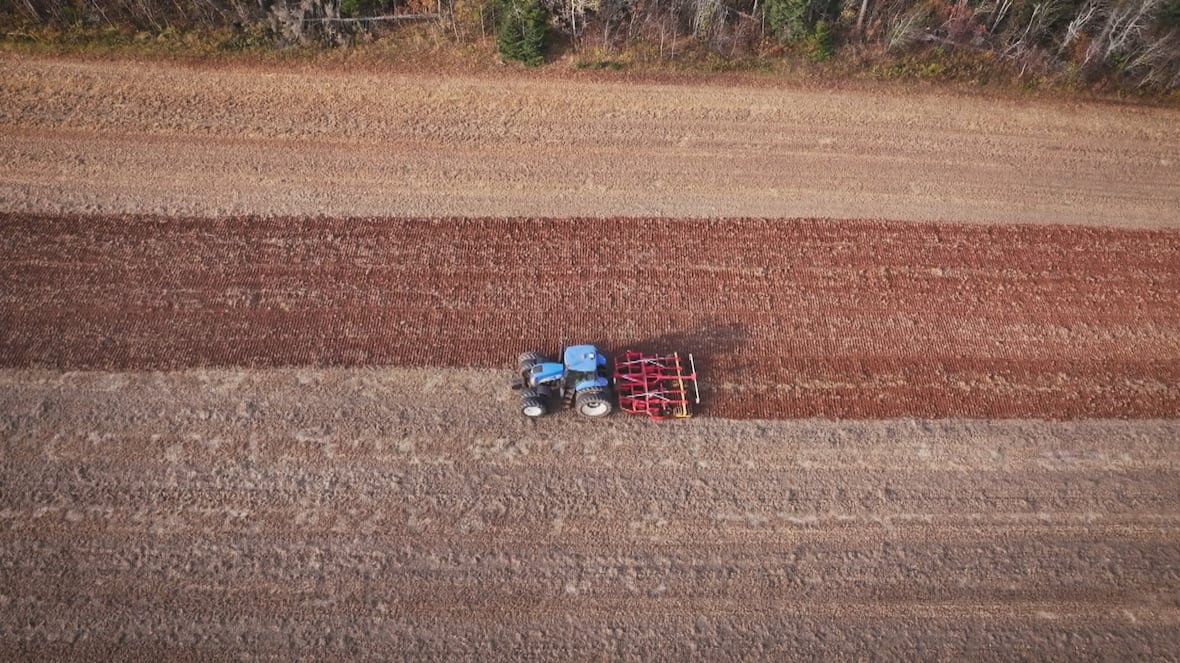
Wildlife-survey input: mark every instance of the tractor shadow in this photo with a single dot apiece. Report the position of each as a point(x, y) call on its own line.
point(711, 345)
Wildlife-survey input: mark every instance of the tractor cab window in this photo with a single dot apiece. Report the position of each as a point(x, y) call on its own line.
point(574, 377)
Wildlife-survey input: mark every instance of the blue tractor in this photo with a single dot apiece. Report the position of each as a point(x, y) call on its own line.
point(580, 381)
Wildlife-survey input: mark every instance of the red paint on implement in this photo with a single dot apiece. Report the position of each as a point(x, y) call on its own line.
point(659, 386)
point(790, 318)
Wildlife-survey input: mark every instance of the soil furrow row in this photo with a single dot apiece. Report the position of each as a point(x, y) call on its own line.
point(789, 318)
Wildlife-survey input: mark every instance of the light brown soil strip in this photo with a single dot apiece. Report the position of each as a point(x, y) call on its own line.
point(360, 513)
point(789, 318)
point(121, 136)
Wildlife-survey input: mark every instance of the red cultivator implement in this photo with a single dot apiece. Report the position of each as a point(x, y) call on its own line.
point(655, 385)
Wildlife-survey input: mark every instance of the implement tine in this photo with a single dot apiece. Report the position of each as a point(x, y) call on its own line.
point(655, 384)
point(680, 384)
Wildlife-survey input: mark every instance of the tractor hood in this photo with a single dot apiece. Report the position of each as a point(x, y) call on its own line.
point(582, 358)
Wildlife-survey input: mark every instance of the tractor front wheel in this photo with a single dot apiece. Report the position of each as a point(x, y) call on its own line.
point(533, 404)
point(593, 402)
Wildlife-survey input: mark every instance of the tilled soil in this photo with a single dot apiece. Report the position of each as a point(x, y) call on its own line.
point(125, 136)
point(788, 318)
point(402, 513)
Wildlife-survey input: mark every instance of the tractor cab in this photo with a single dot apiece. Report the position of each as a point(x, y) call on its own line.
point(585, 367)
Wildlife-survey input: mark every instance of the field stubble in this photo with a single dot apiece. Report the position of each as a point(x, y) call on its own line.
point(122, 136)
point(359, 512)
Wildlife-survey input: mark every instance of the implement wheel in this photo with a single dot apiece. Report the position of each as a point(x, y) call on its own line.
point(593, 402)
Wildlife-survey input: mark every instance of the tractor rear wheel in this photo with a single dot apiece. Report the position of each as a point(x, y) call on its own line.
point(533, 404)
point(593, 402)
point(527, 360)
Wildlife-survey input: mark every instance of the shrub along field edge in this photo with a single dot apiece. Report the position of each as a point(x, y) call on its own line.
point(1129, 47)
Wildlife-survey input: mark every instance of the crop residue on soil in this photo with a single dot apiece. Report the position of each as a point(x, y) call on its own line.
point(410, 513)
point(119, 136)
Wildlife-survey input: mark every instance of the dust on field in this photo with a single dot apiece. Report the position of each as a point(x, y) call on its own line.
point(354, 513)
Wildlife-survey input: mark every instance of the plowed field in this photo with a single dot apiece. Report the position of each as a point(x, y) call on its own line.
point(790, 318)
point(253, 398)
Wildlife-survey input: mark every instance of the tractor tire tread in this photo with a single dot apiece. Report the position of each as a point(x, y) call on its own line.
point(592, 395)
point(533, 402)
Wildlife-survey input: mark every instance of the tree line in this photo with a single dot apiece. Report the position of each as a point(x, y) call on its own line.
point(1136, 41)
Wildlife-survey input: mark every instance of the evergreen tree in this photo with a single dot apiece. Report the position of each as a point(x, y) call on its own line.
point(788, 19)
point(522, 31)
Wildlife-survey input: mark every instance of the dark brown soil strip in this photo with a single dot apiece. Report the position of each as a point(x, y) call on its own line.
point(787, 318)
